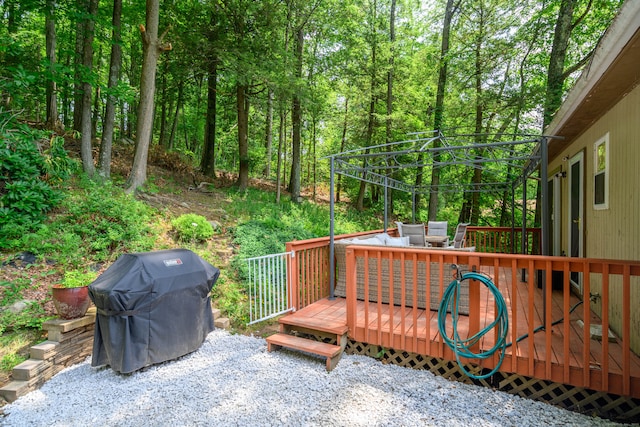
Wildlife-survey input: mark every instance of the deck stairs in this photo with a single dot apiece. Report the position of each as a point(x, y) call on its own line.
point(299, 333)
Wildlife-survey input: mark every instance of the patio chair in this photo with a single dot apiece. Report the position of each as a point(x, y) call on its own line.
point(437, 234)
point(460, 236)
point(415, 232)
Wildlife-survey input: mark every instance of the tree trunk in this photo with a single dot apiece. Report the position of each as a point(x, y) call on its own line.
point(243, 143)
point(372, 117)
point(556, 75)
point(82, 6)
point(96, 104)
point(268, 137)
point(162, 138)
point(281, 131)
point(343, 143)
point(135, 81)
point(392, 39)
point(208, 162)
point(50, 28)
point(477, 169)
point(438, 113)
point(151, 51)
point(296, 118)
point(104, 163)
point(87, 63)
point(66, 95)
point(176, 115)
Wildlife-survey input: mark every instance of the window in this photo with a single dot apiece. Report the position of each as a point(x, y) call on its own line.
point(601, 173)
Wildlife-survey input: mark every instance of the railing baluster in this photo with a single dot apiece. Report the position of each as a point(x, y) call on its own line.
point(626, 329)
point(605, 326)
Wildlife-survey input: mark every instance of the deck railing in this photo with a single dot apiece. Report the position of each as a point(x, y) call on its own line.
point(605, 284)
point(503, 240)
point(310, 267)
point(549, 354)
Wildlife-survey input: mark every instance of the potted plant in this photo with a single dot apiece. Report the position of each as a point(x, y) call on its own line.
point(71, 296)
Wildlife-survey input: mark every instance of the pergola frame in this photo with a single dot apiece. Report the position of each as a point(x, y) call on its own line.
point(376, 165)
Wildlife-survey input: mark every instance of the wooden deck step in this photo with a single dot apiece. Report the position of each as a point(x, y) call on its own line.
point(299, 322)
point(330, 351)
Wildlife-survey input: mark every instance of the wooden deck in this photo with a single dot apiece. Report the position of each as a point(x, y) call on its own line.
point(416, 330)
point(560, 364)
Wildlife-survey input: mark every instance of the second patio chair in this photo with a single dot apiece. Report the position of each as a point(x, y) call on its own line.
point(437, 234)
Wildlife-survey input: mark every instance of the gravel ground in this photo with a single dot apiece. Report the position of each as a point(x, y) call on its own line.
point(233, 381)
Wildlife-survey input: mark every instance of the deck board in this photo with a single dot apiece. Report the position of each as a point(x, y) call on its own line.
point(421, 329)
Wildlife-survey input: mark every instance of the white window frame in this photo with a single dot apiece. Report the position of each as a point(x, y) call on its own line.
point(604, 141)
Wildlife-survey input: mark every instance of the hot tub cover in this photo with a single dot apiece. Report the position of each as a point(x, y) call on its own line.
point(151, 307)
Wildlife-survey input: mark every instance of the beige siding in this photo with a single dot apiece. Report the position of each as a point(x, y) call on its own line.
point(613, 233)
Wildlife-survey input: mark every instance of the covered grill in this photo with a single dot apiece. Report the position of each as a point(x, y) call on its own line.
point(151, 307)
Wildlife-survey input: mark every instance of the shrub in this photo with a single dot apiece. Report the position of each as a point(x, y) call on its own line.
point(25, 195)
point(96, 221)
point(192, 227)
point(266, 237)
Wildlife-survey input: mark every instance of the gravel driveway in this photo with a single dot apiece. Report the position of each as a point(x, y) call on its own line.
point(233, 381)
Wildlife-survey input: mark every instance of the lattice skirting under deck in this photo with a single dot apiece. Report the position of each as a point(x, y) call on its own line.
point(601, 404)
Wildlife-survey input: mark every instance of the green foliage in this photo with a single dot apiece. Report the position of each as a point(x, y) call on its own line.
point(12, 291)
point(9, 361)
point(231, 299)
point(31, 317)
point(96, 221)
point(78, 278)
point(268, 236)
point(25, 194)
point(57, 164)
point(192, 228)
point(14, 346)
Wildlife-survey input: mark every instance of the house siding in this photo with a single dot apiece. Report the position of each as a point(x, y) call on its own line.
point(612, 233)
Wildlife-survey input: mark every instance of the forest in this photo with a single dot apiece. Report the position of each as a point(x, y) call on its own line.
point(95, 96)
point(267, 89)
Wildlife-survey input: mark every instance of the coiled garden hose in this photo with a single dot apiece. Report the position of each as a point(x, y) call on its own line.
point(461, 347)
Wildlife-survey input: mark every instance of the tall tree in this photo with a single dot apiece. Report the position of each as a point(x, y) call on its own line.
point(556, 74)
point(268, 134)
point(449, 13)
point(208, 161)
point(302, 12)
point(104, 162)
point(389, 121)
point(52, 99)
point(81, 8)
point(373, 86)
point(87, 65)
point(151, 47)
point(296, 121)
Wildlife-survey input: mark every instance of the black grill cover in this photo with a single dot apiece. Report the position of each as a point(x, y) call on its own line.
point(151, 307)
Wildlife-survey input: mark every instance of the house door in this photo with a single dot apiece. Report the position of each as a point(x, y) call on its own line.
point(576, 214)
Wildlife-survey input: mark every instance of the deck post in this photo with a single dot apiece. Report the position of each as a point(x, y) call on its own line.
point(474, 302)
point(332, 262)
point(523, 236)
point(544, 223)
point(294, 279)
point(351, 290)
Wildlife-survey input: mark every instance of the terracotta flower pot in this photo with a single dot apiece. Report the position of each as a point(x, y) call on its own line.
point(71, 303)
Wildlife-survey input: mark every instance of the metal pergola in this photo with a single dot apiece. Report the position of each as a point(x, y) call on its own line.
point(507, 162)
